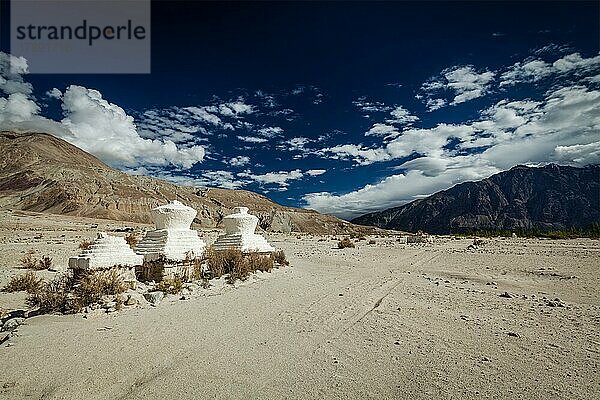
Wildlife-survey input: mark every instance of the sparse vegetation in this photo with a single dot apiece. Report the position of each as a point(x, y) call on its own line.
point(55, 296)
point(28, 282)
point(238, 266)
point(44, 263)
point(132, 239)
point(222, 262)
point(345, 243)
point(259, 262)
point(85, 244)
point(279, 258)
point(92, 286)
point(68, 294)
point(29, 261)
point(170, 285)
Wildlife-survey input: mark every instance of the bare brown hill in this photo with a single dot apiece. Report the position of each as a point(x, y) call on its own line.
point(42, 173)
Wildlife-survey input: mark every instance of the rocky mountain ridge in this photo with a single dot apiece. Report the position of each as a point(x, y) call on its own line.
point(552, 197)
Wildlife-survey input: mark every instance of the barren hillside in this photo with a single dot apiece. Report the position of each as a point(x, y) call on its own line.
point(39, 172)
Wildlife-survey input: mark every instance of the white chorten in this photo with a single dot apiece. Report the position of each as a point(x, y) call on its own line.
point(173, 237)
point(107, 251)
point(239, 233)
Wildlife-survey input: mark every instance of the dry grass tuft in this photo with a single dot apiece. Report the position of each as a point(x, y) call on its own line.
point(236, 265)
point(279, 258)
point(29, 261)
point(92, 286)
point(54, 296)
point(170, 285)
point(132, 239)
point(68, 294)
point(259, 262)
point(222, 262)
point(344, 243)
point(85, 244)
point(44, 263)
point(28, 282)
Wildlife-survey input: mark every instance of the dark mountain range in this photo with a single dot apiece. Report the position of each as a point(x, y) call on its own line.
point(552, 197)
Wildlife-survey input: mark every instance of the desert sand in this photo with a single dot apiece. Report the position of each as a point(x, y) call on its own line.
point(380, 321)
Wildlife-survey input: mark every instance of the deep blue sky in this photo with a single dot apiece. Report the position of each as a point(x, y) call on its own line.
point(336, 53)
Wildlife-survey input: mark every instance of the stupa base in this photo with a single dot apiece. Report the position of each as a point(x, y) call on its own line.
point(245, 243)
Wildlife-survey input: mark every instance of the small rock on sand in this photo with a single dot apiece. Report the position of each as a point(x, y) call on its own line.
point(12, 324)
point(154, 298)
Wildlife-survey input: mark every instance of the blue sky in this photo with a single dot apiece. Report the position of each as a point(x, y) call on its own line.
point(342, 107)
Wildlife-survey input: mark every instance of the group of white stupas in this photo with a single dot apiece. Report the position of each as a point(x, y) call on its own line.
point(173, 242)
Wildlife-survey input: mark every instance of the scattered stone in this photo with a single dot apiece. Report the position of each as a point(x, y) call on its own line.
point(554, 303)
point(12, 324)
point(110, 304)
point(4, 336)
point(92, 313)
point(15, 314)
point(131, 301)
point(191, 287)
point(154, 298)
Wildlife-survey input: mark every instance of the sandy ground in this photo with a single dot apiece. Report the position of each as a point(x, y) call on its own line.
point(380, 321)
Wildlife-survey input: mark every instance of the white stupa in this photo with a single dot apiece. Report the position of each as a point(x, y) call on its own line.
point(239, 233)
point(107, 251)
point(173, 237)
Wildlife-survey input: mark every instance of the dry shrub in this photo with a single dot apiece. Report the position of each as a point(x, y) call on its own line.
point(68, 294)
point(54, 296)
point(132, 239)
point(170, 285)
point(28, 282)
point(258, 262)
point(85, 244)
point(279, 258)
point(44, 263)
point(93, 285)
point(239, 270)
point(235, 264)
point(344, 243)
point(29, 261)
point(223, 262)
point(478, 242)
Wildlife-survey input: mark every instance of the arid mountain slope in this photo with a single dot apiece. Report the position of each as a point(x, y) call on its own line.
point(547, 198)
point(39, 172)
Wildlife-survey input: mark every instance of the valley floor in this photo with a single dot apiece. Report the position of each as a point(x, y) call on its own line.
point(380, 321)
